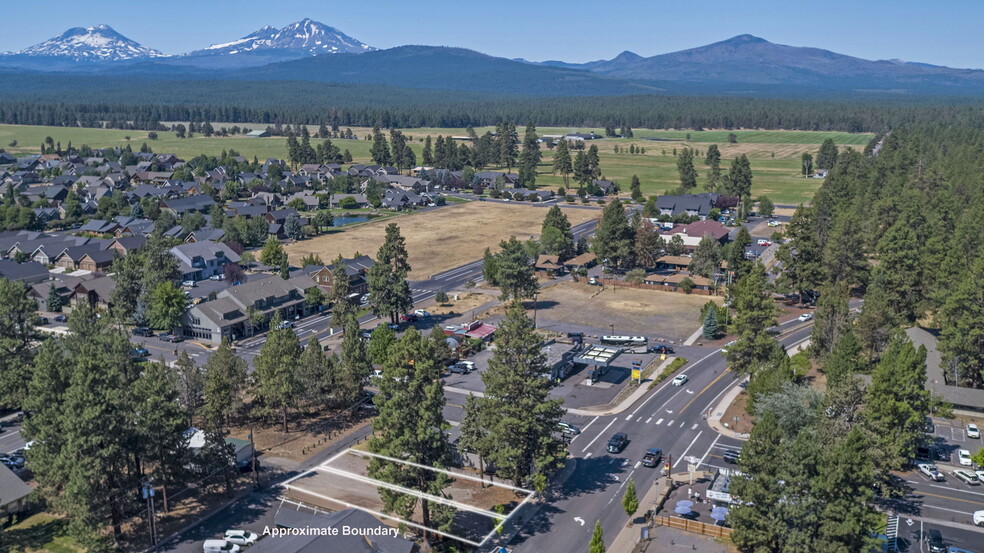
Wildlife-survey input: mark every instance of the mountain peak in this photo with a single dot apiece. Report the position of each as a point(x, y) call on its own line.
point(303, 38)
point(744, 39)
point(97, 43)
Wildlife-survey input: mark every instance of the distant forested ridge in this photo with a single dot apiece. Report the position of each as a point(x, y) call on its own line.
point(141, 103)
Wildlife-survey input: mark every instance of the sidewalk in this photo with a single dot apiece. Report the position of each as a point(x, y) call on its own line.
point(629, 536)
point(642, 390)
point(714, 420)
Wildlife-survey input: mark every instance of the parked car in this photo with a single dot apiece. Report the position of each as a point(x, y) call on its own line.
point(731, 456)
point(724, 348)
point(973, 431)
point(139, 352)
point(463, 367)
point(285, 324)
point(805, 317)
point(61, 318)
point(215, 277)
point(967, 477)
point(963, 457)
point(568, 428)
point(680, 380)
point(618, 442)
point(241, 537)
point(143, 331)
point(934, 541)
point(594, 281)
point(364, 298)
point(930, 471)
point(667, 350)
point(652, 457)
point(366, 333)
point(763, 242)
point(773, 223)
point(43, 320)
point(421, 313)
point(942, 454)
point(408, 318)
point(219, 546)
point(164, 337)
point(189, 284)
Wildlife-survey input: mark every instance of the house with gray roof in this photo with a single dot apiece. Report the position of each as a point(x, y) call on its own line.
point(201, 260)
point(179, 206)
point(699, 205)
point(13, 492)
point(29, 273)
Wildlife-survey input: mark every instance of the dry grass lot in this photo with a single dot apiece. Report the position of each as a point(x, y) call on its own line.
point(440, 239)
point(632, 311)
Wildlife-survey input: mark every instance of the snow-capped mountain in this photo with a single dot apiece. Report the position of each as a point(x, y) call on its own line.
point(99, 43)
point(305, 38)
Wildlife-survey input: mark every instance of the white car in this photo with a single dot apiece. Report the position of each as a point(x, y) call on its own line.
point(188, 284)
point(774, 223)
point(680, 380)
point(973, 431)
point(241, 537)
point(219, 546)
point(930, 471)
point(215, 277)
point(421, 313)
point(724, 349)
point(963, 455)
point(979, 518)
point(805, 317)
point(764, 242)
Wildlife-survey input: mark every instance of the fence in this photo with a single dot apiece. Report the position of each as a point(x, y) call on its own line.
point(660, 287)
point(693, 526)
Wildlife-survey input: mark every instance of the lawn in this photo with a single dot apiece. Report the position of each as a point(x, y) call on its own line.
point(774, 155)
point(40, 532)
point(439, 239)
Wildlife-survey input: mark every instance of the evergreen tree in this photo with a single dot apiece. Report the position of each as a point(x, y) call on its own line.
point(508, 144)
point(636, 189)
point(18, 320)
point(160, 424)
point(962, 339)
point(380, 342)
point(277, 383)
point(899, 270)
point(389, 292)
point(338, 294)
point(754, 313)
point(897, 404)
point(513, 273)
point(582, 168)
point(597, 544)
point(411, 427)
point(517, 398)
point(649, 245)
point(355, 365)
point(801, 254)
point(876, 321)
point(225, 380)
point(427, 156)
point(613, 240)
point(563, 243)
point(189, 381)
point(845, 359)
point(712, 329)
point(530, 157)
point(830, 320)
point(685, 168)
point(629, 501)
point(766, 207)
point(713, 160)
point(706, 260)
point(167, 306)
point(827, 156)
point(379, 151)
point(849, 521)
point(562, 161)
point(54, 300)
point(757, 521)
point(844, 258)
point(316, 374)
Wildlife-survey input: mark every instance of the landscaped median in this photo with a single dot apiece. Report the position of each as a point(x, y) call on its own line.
point(668, 370)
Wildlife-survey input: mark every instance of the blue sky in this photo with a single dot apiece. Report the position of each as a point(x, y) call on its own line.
point(945, 33)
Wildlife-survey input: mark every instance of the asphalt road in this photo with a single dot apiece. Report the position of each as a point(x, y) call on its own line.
point(10, 437)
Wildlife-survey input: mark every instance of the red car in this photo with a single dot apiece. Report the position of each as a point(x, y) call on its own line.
point(408, 318)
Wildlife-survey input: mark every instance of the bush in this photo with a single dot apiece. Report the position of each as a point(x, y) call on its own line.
point(348, 202)
point(441, 297)
point(687, 285)
point(635, 276)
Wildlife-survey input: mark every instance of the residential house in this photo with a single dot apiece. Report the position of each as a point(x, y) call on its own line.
point(14, 492)
point(30, 272)
point(179, 206)
point(693, 233)
point(98, 227)
point(96, 291)
point(259, 133)
point(125, 245)
point(227, 315)
point(201, 260)
point(584, 261)
point(355, 269)
point(360, 199)
point(549, 264)
point(699, 205)
point(100, 260)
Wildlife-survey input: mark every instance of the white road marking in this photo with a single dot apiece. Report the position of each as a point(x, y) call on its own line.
point(680, 458)
point(649, 419)
point(579, 520)
point(598, 436)
point(589, 454)
point(583, 429)
point(670, 423)
point(694, 427)
point(659, 422)
point(708, 452)
point(637, 464)
point(683, 423)
point(628, 418)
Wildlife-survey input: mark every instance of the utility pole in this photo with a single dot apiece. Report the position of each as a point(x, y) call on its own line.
point(252, 448)
point(147, 490)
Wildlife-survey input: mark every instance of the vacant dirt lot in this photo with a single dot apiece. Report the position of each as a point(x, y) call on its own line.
point(632, 311)
point(440, 239)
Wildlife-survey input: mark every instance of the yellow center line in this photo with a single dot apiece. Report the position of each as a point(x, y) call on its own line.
point(950, 498)
point(704, 390)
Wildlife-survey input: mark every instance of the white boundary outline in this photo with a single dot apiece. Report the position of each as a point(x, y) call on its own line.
point(324, 468)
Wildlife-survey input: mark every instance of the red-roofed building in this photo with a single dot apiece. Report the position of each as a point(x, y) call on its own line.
point(694, 232)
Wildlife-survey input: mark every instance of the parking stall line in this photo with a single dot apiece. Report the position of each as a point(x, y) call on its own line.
point(659, 422)
point(598, 436)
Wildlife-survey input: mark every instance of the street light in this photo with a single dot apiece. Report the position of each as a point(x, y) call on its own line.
point(613, 329)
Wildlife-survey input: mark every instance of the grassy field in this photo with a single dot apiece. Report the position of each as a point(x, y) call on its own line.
point(441, 239)
point(774, 155)
point(37, 533)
